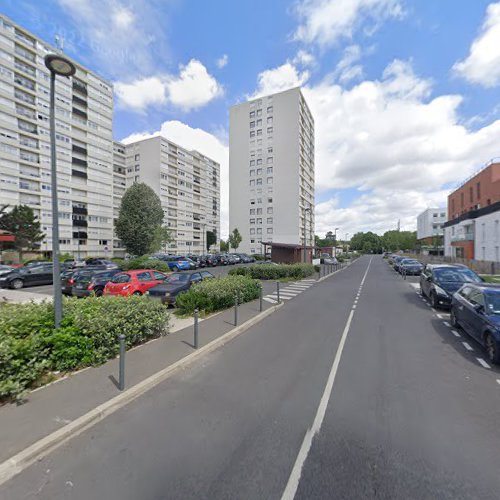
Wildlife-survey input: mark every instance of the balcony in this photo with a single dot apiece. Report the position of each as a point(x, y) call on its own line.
point(463, 237)
point(80, 102)
point(79, 235)
point(80, 210)
point(79, 87)
point(80, 223)
point(77, 161)
point(79, 113)
point(79, 149)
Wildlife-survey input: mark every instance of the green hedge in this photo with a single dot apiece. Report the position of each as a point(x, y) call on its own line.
point(30, 346)
point(218, 293)
point(274, 272)
point(145, 262)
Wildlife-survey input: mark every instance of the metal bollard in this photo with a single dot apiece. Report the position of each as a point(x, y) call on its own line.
point(236, 310)
point(121, 378)
point(260, 298)
point(278, 291)
point(196, 312)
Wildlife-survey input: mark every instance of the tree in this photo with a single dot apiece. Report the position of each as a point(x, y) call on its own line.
point(139, 220)
point(161, 238)
point(366, 242)
point(235, 239)
point(24, 225)
point(399, 240)
point(224, 246)
point(211, 239)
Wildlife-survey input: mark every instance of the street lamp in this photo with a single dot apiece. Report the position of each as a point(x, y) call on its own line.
point(335, 247)
point(308, 209)
point(203, 226)
point(57, 64)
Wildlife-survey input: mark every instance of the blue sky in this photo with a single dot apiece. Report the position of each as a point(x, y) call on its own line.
point(404, 92)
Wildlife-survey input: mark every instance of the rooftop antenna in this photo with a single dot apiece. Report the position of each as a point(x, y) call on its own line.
point(59, 43)
point(399, 224)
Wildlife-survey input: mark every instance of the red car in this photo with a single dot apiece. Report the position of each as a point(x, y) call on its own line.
point(135, 282)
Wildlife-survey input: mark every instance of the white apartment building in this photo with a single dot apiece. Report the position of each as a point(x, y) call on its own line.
point(430, 223)
point(271, 171)
point(119, 187)
point(84, 109)
point(475, 235)
point(188, 184)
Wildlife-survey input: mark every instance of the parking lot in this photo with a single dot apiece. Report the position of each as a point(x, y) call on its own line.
point(462, 344)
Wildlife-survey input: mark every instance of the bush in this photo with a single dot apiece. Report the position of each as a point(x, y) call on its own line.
point(259, 257)
point(30, 346)
point(274, 272)
point(145, 262)
point(218, 293)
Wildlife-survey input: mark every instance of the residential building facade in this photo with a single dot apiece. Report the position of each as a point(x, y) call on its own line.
point(430, 230)
point(188, 184)
point(473, 229)
point(84, 109)
point(271, 171)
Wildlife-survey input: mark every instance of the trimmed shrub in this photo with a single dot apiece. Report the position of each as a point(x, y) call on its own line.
point(275, 272)
point(88, 336)
point(145, 262)
point(218, 293)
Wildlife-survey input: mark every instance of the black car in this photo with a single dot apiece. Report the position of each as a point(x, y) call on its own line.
point(210, 260)
point(86, 283)
point(221, 260)
point(176, 283)
point(27, 276)
point(396, 261)
point(439, 282)
point(69, 276)
point(476, 309)
point(246, 259)
point(108, 264)
point(410, 267)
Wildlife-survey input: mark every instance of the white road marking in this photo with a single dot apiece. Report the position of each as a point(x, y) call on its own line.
point(439, 316)
point(268, 299)
point(288, 294)
point(455, 333)
point(353, 307)
point(275, 297)
point(445, 323)
point(482, 362)
point(295, 288)
point(498, 381)
point(296, 472)
point(467, 346)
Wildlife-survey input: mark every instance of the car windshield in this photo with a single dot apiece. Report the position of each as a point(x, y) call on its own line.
point(177, 278)
point(493, 302)
point(449, 275)
point(410, 262)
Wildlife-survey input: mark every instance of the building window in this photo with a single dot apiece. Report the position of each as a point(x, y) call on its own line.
point(137, 157)
point(259, 161)
point(269, 170)
point(269, 220)
point(259, 221)
point(252, 230)
point(252, 182)
point(259, 112)
point(259, 132)
point(252, 163)
point(269, 130)
point(471, 194)
point(252, 133)
point(259, 211)
point(252, 211)
point(269, 230)
point(269, 120)
point(269, 160)
point(269, 200)
point(269, 210)
point(252, 221)
point(478, 189)
point(270, 149)
point(252, 124)
point(270, 109)
point(252, 173)
point(269, 180)
point(259, 182)
point(462, 200)
point(252, 114)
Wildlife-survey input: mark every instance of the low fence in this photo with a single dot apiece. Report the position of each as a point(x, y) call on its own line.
point(479, 266)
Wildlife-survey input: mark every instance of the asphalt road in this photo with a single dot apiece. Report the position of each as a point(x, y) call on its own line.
point(347, 392)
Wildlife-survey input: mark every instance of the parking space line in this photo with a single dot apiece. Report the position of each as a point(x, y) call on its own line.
point(445, 323)
point(467, 346)
point(482, 362)
point(455, 333)
point(498, 381)
point(275, 297)
point(439, 316)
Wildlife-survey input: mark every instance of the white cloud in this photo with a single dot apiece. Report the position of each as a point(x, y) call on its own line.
point(193, 88)
point(304, 58)
point(142, 93)
point(482, 65)
point(392, 143)
point(120, 39)
point(222, 61)
point(347, 69)
point(207, 144)
point(326, 21)
point(283, 77)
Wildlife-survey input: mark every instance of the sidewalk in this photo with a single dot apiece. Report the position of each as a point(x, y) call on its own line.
point(55, 405)
point(20, 297)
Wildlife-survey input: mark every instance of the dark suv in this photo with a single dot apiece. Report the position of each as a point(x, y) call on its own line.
point(92, 282)
point(439, 282)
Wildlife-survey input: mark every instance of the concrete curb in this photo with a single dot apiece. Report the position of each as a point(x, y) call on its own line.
point(332, 274)
point(17, 463)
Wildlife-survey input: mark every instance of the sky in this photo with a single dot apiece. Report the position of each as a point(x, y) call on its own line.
point(404, 93)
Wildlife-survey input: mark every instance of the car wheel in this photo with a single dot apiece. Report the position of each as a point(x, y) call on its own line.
point(137, 293)
point(99, 292)
point(453, 319)
point(492, 349)
point(16, 284)
point(434, 300)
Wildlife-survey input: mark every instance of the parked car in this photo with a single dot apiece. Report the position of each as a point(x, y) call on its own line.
point(439, 282)
point(4, 269)
point(197, 259)
point(236, 257)
point(192, 264)
point(69, 276)
point(230, 259)
point(476, 309)
point(108, 264)
point(31, 263)
point(175, 284)
point(176, 263)
point(210, 260)
point(136, 282)
point(396, 261)
point(246, 259)
point(410, 267)
point(27, 276)
point(87, 283)
point(222, 260)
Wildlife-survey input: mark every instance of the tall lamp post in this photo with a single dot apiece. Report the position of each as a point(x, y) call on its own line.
point(335, 247)
point(57, 65)
point(347, 245)
point(308, 209)
point(203, 228)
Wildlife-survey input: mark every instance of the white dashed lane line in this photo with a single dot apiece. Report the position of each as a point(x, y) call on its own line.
point(483, 363)
point(467, 346)
point(455, 333)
